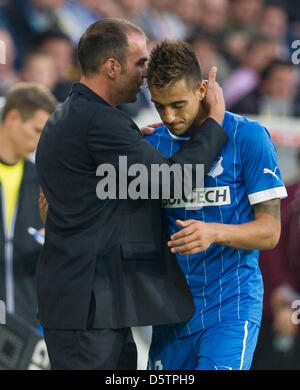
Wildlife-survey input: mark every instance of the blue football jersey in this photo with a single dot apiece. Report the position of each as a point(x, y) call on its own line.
point(226, 283)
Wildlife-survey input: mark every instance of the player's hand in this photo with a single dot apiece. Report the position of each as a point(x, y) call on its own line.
point(214, 99)
point(43, 204)
point(196, 236)
point(150, 129)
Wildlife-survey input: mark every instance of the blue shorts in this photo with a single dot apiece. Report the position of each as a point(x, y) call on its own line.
point(229, 345)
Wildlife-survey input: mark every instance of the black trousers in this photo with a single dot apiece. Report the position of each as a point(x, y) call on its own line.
point(91, 349)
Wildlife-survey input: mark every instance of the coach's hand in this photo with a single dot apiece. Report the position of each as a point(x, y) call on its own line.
point(150, 129)
point(214, 99)
point(196, 236)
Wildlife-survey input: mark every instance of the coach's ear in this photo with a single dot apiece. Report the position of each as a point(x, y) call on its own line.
point(201, 89)
point(112, 68)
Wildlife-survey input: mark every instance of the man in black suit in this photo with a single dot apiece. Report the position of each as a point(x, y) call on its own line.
point(105, 264)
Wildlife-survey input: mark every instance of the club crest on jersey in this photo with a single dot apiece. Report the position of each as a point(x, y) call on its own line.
point(217, 168)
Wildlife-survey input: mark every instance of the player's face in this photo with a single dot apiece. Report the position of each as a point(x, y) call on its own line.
point(179, 105)
point(132, 78)
point(26, 134)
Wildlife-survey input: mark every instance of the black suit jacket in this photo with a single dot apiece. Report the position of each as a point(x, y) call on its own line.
point(108, 258)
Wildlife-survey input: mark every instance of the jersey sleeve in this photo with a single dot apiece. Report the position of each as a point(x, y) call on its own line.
point(260, 167)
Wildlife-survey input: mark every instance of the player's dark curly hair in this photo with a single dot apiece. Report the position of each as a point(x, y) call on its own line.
point(170, 61)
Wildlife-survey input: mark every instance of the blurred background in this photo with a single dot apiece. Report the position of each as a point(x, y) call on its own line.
point(256, 46)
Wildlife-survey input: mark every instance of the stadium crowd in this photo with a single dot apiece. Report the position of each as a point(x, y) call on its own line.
point(250, 41)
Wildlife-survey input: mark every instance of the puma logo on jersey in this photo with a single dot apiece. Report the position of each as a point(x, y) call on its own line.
point(217, 168)
point(267, 170)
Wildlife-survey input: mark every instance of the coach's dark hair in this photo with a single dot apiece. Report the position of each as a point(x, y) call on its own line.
point(28, 98)
point(172, 60)
point(107, 38)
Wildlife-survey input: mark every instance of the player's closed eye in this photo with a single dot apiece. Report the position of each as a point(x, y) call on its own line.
point(176, 106)
point(179, 105)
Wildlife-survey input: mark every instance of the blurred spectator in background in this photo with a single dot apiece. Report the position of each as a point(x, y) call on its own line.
point(234, 46)
point(26, 19)
point(189, 12)
point(206, 48)
point(75, 16)
point(260, 52)
point(58, 46)
point(245, 14)
point(213, 16)
point(39, 67)
point(135, 11)
point(161, 22)
point(206, 35)
point(27, 108)
point(8, 75)
point(274, 21)
point(276, 93)
point(278, 346)
point(294, 16)
point(104, 9)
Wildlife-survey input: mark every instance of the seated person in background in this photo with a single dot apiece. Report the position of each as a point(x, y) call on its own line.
point(39, 68)
point(60, 48)
point(8, 75)
point(208, 53)
point(26, 20)
point(276, 93)
point(260, 52)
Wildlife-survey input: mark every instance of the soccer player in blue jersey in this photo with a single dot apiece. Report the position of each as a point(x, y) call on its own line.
point(217, 231)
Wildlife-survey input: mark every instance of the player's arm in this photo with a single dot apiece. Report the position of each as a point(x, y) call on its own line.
point(262, 233)
point(43, 204)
